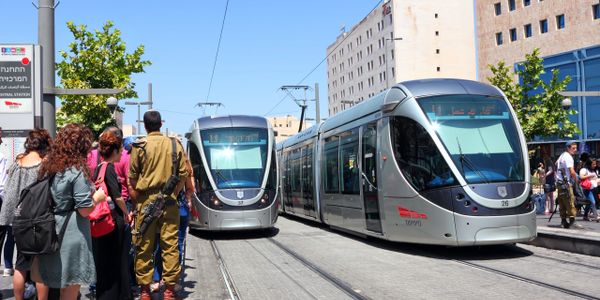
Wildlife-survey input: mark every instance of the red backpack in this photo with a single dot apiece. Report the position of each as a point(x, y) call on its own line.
point(101, 219)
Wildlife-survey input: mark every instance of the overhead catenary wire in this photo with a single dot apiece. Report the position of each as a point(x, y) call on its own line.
point(323, 60)
point(217, 52)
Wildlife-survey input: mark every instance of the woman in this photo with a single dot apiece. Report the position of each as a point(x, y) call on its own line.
point(21, 174)
point(550, 182)
point(110, 250)
point(587, 172)
point(73, 264)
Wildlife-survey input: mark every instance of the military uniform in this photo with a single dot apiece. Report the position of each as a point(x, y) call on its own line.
point(566, 198)
point(150, 167)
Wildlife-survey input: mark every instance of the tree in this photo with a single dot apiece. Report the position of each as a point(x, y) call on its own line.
point(536, 103)
point(96, 60)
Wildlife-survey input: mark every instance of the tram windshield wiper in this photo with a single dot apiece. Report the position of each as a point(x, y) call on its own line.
point(464, 159)
point(218, 173)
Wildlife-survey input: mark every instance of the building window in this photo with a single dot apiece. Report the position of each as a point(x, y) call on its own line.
point(436, 15)
point(560, 21)
point(499, 40)
point(513, 34)
point(596, 11)
point(498, 8)
point(437, 51)
point(512, 5)
point(437, 33)
point(544, 26)
point(526, 2)
point(438, 69)
point(527, 30)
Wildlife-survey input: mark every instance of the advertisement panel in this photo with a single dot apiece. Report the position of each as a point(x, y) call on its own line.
point(20, 86)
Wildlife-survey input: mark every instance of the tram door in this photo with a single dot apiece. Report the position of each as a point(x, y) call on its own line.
point(369, 177)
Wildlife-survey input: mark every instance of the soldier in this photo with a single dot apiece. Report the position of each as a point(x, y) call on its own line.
point(567, 178)
point(150, 168)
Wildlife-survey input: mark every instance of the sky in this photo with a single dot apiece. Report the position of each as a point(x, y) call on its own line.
point(265, 44)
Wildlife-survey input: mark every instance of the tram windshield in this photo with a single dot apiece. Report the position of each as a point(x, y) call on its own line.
point(236, 156)
point(480, 135)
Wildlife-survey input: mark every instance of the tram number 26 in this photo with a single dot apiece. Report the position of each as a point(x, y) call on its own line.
point(504, 203)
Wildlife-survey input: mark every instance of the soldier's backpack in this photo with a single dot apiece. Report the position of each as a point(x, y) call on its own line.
point(34, 226)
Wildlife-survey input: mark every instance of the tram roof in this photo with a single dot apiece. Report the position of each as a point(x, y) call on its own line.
point(230, 121)
point(300, 137)
point(447, 86)
point(412, 88)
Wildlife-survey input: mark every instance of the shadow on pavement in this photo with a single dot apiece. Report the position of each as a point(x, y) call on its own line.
point(508, 251)
point(236, 235)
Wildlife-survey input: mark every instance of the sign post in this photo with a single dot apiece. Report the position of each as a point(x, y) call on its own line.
point(20, 89)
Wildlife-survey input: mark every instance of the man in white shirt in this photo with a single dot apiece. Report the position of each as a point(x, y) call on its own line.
point(566, 178)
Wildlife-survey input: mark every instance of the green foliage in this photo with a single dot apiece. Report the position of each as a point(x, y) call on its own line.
point(540, 114)
point(96, 60)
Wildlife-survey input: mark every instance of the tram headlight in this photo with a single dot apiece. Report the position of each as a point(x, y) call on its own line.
point(215, 201)
point(264, 199)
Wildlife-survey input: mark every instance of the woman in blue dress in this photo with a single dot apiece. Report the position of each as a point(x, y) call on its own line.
point(73, 264)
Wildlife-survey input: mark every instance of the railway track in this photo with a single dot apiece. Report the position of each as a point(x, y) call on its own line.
point(525, 279)
point(233, 292)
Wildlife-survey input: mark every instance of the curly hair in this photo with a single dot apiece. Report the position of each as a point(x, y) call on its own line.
point(108, 144)
point(70, 149)
point(38, 140)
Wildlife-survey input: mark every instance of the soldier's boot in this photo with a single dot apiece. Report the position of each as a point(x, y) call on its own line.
point(564, 223)
point(170, 293)
point(145, 293)
point(572, 224)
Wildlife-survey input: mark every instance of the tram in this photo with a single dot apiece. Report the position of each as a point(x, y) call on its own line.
point(436, 161)
point(235, 169)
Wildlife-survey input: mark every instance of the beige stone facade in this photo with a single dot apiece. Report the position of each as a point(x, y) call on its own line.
point(398, 41)
point(580, 29)
point(286, 126)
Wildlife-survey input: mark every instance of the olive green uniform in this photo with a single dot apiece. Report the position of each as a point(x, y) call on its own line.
point(151, 166)
point(566, 202)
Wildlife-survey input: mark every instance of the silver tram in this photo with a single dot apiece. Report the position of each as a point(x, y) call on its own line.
point(437, 161)
point(235, 169)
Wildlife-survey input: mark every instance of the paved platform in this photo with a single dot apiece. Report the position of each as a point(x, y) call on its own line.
point(553, 236)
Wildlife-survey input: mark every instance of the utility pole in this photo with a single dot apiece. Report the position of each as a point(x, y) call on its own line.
point(150, 95)
point(46, 40)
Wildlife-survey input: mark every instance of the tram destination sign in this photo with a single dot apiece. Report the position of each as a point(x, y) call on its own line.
point(20, 86)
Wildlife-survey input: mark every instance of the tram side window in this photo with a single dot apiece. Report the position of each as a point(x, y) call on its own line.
point(272, 181)
point(202, 183)
point(418, 157)
point(307, 171)
point(331, 178)
point(349, 154)
point(296, 169)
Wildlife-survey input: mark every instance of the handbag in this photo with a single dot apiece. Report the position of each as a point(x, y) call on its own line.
point(101, 220)
point(586, 184)
point(549, 187)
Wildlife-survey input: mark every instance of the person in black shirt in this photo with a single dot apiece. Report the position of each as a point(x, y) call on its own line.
point(110, 251)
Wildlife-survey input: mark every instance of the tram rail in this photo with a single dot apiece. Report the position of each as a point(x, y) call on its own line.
point(233, 292)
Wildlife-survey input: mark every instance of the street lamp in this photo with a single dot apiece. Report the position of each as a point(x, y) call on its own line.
point(112, 104)
point(139, 118)
point(566, 103)
point(387, 57)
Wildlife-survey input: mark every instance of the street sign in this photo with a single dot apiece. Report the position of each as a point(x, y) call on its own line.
point(20, 87)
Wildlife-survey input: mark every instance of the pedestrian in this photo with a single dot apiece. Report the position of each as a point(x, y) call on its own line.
point(184, 200)
point(22, 173)
point(150, 168)
point(587, 173)
point(549, 183)
point(73, 264)
point(566, 178)
point(110, 250)
point(4, 230)
point(93, 159)
point(122, 168)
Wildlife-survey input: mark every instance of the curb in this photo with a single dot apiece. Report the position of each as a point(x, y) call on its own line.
point(572, 244)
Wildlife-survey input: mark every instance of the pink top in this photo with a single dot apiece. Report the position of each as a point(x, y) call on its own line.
point(122, 168)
